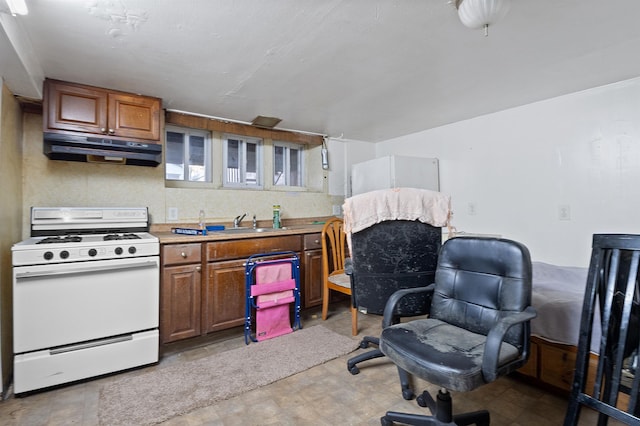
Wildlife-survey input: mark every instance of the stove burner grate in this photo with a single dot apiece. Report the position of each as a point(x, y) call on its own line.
point(121, 237)
point(61, 239)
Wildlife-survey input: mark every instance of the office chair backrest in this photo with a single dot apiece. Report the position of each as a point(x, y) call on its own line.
point(480, 280)
point(392, 255)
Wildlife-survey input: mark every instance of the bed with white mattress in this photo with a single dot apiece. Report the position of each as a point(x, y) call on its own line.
point(558, 293)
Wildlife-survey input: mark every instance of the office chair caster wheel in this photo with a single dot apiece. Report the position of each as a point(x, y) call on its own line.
point(421, 400)
point(354, 370)
point(363, 344)
point(407, 394)
point(385, 422)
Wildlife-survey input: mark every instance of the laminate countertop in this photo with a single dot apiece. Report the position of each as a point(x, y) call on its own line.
point(167, 237)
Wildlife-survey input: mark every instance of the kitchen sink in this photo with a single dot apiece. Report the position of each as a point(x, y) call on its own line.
point(242, 230)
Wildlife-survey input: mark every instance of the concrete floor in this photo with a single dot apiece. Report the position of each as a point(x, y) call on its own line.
point(323, 395)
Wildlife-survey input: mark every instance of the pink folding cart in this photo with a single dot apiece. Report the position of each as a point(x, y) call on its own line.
point(272, 295)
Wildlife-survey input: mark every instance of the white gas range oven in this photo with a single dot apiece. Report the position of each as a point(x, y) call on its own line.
point(85, 295)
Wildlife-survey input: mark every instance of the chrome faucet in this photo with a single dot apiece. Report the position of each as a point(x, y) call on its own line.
point(237, 220)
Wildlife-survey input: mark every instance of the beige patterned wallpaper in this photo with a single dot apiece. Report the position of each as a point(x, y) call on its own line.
point(10, 217)
point(63, 183)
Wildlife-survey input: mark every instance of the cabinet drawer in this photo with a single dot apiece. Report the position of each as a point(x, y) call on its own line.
point(176, 254)
point(557, 366)
point(312, 241)
point(239, 249)
point(558, 363)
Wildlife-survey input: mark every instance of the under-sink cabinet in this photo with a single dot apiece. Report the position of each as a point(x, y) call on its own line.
point(224, 300)
point(224, 295)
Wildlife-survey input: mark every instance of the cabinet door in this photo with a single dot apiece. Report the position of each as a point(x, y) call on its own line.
point(75, 108)
point(224, 305)
point(180, 302)
point(312, 284)
point(134, 116)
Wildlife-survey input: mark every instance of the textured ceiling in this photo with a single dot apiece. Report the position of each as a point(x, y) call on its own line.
point(365, 70)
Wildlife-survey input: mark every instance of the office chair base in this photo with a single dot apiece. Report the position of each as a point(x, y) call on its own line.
point(407, 392)
point(442, 408)
point(364, 343)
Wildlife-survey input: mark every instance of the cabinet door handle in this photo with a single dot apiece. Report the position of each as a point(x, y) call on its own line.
point(103, 130)
point(198, 268)
point(184, 255)
point(111, 131)
point(316, 241)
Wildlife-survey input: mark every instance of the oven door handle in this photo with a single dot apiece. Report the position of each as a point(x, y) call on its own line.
point(84, 269)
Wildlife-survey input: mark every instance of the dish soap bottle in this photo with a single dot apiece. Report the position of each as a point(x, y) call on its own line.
point(201, 224)
point(276, 216)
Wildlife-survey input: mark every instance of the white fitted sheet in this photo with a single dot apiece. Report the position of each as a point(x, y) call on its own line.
point(558, 293)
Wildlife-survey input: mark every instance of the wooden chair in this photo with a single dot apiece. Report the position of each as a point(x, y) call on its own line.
point(333, 276)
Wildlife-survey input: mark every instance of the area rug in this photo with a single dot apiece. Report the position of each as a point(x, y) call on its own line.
point(163, 393)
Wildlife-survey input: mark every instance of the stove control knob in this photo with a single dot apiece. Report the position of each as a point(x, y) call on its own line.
point(118, 250)
point(93, 252)
point(48, 255)
point(64, 254)
point(132, 250)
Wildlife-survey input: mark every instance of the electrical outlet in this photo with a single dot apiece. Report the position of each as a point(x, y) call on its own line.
point(172, 213)
point(564, 212)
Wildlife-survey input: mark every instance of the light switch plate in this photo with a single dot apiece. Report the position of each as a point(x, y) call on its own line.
point(172, 213)
point(564, 212)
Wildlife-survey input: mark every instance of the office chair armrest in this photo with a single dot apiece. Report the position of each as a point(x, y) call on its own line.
point(494, 341)
point(388, 317)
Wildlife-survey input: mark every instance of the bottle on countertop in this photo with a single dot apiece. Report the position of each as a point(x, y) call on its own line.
point(201, 223)
point(276, 216)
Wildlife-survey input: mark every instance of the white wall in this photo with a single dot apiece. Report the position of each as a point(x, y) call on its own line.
point(512, 172)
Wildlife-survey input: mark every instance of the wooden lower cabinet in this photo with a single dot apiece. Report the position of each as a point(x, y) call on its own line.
point(312, 279)
point(224, 295)
point(180, 292)
point(180, 308)
point(194, 304)
point(311, 275)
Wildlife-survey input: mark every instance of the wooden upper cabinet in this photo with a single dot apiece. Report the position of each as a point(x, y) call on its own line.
point(70, 107)
point(134, 116)
point(75, 108)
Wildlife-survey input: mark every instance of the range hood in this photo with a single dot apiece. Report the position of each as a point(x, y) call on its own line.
point(62, 146)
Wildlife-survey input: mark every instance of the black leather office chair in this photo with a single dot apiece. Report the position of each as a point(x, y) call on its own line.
point(386, 257)
point(477, 329)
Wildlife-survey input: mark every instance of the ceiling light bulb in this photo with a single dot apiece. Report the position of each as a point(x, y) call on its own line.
point(482, 13)
point(17, 7)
